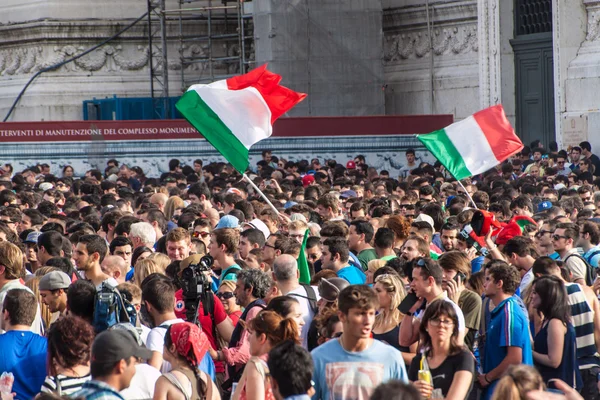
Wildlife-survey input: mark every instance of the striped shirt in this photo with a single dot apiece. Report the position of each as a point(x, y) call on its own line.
point(583, 321)
point(68, 384)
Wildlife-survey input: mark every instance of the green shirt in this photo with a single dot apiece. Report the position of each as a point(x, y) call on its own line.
point(365, 256)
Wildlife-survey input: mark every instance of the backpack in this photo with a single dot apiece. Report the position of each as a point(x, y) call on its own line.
point(310, 296)
point(590, 272)
point(110, 308)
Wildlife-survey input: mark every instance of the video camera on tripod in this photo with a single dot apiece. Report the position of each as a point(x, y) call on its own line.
point(197, 288)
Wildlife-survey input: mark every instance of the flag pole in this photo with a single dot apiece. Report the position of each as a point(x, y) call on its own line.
point(247, 178)
point(467, 193)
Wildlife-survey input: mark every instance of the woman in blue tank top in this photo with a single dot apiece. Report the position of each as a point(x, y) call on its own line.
point(554, 347)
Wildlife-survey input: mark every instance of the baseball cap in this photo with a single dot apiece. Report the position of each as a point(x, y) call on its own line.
point(32, 237)
point(348, 194)
point(307, 180)
point(46, 186)
point(228, 221)
point(258, 224)
point(54, 280)
point(115, 345)
point(544, 205)
point(329, 289)
point(350, 165)
point(426, 218)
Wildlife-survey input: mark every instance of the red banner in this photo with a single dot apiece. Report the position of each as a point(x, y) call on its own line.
point(69, 131)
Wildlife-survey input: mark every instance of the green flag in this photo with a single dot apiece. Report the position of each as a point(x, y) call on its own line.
point(303, 262)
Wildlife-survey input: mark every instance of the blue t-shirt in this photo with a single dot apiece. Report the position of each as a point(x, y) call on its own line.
point(592, 256)
point(129, 276)
point(508, 328)
point(228, 274)
point(207, 366)
point(24, 354)
point(353, 275)
point(354, 375)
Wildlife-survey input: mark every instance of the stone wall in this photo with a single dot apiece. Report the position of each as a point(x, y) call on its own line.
point(38, 34)
point(408, 55)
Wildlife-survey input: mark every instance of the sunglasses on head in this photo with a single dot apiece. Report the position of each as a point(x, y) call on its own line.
point(225, 295)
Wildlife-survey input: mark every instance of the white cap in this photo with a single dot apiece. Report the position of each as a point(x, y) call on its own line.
point(258, 224)
point(426, 218)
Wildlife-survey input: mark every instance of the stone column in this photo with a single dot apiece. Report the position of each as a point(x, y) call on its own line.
point(331, 50)
point(577, 64)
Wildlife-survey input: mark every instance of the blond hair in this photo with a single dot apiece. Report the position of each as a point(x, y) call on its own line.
point(393, 285)
point(517, 382)
point(374, 265)
point(228, 284)
point(162, 260)
point(143, 268)
point(297, 225)
point(174, 203)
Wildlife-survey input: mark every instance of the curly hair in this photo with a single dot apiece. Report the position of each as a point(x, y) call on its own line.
point(70, 341)
point(400, 226)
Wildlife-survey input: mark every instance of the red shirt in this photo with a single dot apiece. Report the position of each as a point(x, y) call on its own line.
point(235, 317)
point(205, 320)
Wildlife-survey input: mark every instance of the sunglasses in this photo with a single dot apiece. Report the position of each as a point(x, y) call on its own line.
point(225, 295)
point(200, 234)
point(542, 233)
point(558, 237)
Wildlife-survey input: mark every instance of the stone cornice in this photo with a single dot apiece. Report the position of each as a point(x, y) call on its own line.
point(59, 31)
point(442, 13)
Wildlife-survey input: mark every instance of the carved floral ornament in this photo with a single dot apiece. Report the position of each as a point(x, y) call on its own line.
point(17, 61)
point(451, 40)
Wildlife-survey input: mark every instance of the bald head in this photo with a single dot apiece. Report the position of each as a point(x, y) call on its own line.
point(115, 267)
point(285, 268)
point(159, 199)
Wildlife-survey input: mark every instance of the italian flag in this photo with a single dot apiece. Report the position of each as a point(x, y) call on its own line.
point(475, 144)
point(236, 113)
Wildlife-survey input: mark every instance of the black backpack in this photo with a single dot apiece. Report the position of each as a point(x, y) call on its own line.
point(590, 272)
point(311, 296)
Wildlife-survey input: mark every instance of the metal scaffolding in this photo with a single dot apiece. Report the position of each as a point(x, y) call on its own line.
point(215, 38)
point(157, 59)
point(214, 41)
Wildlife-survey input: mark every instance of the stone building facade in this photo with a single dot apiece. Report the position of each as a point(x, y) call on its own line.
point(539, 58)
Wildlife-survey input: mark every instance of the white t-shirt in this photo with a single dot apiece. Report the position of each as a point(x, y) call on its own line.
point(307, 313)
point(156, 340)
point(457, 310)
point(525, 281)
point(142, 384)
point(111, 281)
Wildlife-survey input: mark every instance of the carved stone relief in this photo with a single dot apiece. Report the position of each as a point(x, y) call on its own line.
point(446, 41)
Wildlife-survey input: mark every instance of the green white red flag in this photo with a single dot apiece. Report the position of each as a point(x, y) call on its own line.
point(475, 144)
point(236, 113)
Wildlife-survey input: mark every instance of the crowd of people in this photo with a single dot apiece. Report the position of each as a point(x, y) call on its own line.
point(348, 283)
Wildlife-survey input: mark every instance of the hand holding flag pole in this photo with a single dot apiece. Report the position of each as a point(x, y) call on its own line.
point(247, 178)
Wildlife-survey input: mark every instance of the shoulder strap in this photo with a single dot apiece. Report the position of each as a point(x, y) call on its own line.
point(173, 379)
point(311, 296)
point(590, 272)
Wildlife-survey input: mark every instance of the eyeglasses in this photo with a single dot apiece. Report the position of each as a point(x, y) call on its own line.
point(560, 162)
point(438, 322)
point(196, 234)
point(225, 295)
point(269, 245)
point(542, 233)
point(558, 237)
